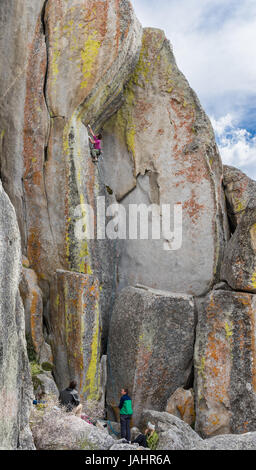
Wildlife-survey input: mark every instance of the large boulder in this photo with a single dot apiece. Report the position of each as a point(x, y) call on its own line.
point(181, 404)
point(54, 429)
point(76, 332)
point(173, 433)
point(160, 149)
point(16, 391)
point(150, 347)
point(225, 373)
point(245, 441)
point(239, 263)
point(239, 189)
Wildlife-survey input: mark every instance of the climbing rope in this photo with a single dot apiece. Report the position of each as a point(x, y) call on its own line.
point(117, 434)
point(113, 289)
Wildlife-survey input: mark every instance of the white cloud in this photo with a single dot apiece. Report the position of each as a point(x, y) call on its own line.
point(237, 146)
point(214, 46)
point(213, 40)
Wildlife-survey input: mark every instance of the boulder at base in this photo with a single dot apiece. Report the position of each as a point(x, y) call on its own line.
point(225, 364)
point(150, 348)
point(174, 434)
point(181, 404)
point(55, 429)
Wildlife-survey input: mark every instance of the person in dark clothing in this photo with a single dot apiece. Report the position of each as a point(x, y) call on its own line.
point(149, 439)
point(126, 412)
point(69, 398)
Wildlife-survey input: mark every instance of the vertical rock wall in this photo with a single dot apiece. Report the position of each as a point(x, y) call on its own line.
point(76, 329)
point(16, 390)
point(64, 64)
point(225, 364)
point(160, 149)
point(225, 341)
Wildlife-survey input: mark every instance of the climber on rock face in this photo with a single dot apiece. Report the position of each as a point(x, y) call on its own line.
point(96, 142)
point(69, 398)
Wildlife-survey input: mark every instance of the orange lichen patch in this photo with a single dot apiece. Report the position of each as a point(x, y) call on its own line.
point(230, 344)
point(142, 110)
point(34, 247)
point(118, 26)
point(143, 362)
point(192, 208)
point(217, 364)
point(245, 426)
point(34, 141)
point(213, 424)
point(34, 108)
point(195, 172)
point(36, 320)
point(37, 178)
point(217, 355)
point(76, 324)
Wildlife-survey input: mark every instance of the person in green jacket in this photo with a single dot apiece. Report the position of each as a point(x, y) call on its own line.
point(126, 412)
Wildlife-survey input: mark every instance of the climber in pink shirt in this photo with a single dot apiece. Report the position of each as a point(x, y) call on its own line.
point(96, 142)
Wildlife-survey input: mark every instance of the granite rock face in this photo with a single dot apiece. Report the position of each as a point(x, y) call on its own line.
point(33, 305)
point(239, 189)
point(64, 64)
point(23, 113)
point(174, 434)
point(245, 441)
point(150, 347)
point(15, 381)
point(160, 149)
point(93, 47)
point(76, 332)
point(239, 263)
point(225, 380)
point(47, 386)
point(67, 65)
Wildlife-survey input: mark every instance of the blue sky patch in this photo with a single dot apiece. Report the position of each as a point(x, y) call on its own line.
point(214, 46)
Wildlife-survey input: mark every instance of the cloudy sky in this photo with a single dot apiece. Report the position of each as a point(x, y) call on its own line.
point(214, 42)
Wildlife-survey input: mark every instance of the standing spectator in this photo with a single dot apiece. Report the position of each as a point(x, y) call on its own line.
point(126, 412)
